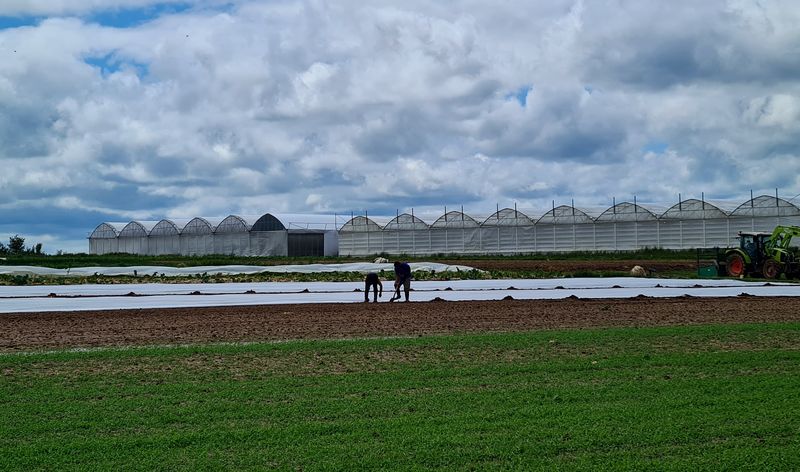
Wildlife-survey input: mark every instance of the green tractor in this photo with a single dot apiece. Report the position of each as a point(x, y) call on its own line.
point(767, 254)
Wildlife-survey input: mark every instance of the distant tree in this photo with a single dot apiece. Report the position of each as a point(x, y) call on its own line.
point(3, 249)
point(16, 244)
point(38, 248)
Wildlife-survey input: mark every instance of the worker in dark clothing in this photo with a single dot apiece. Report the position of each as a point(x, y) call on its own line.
point(402, 274)
point(372, 282)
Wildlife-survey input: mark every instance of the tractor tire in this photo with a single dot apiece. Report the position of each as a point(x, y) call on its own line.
point(735, 265)
point(772, 269)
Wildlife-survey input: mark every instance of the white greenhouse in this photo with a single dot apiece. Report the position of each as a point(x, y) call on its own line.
point(624, 226)
point(265, 235)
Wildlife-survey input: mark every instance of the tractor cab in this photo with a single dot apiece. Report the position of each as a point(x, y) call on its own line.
point(753, 244)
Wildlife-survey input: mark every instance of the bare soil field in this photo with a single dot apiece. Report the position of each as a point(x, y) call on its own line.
point(35, 331)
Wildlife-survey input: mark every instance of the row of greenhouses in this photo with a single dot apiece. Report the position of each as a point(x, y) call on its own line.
point(264, 235)
point(624, 226)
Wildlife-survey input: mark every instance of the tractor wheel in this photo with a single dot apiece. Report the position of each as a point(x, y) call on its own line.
point(772, 269)
point(735, 265)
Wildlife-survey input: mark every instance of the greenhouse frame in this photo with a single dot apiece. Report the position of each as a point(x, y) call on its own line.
point(265, 235)
point(624, 226)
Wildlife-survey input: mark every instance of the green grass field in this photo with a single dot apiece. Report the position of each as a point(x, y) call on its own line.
point(681, 398)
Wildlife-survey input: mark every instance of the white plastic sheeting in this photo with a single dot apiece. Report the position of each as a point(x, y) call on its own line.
point(362, 267)
point(110, 297)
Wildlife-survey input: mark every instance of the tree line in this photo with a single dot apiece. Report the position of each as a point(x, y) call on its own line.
point(16, 245)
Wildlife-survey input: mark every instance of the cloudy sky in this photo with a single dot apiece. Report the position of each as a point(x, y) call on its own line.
point(112, 110)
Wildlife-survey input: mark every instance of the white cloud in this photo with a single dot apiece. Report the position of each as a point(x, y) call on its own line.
point(317, 106)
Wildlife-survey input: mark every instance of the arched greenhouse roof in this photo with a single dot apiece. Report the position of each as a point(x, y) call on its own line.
point(268, 222)
point(359, 224)
point(406, 221)
point(107, 230)
point(137, 229)
point(508, 217)
point(165, 228)
point(232, 224)
point(766, 205)
point(627, 211)
point(198, 225)
point(564, 214)
point(455, 219)
point(693, 209)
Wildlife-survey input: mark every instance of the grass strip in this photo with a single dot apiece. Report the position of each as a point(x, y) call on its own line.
point(675, 398)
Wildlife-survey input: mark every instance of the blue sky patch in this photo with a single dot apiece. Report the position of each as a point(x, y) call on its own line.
point(130, 17)
point(656, 147)
point(10, 22)
point(110, 63)
point(520, 95)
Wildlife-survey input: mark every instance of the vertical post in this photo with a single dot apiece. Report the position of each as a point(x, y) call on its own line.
point(516, 229)
point(703, 200)
point(614, 205)
point(464, 233)
point(497, 216)
point(776, 198)
point(751, 198)
point(413, 233)
point(680, 204)
point(554, 211)
point(397, 229)
point(366, 222)
point(445, 231)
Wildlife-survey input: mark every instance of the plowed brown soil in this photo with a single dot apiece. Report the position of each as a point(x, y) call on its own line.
point(33, 331)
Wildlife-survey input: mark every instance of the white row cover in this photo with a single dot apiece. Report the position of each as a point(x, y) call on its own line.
point(346, 292)
point(363, 267)
point(232, 288)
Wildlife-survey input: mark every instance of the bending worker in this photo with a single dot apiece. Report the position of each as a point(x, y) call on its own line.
point(374, 282)
point(402, 274)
